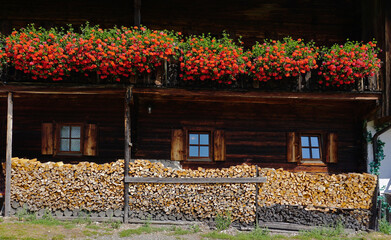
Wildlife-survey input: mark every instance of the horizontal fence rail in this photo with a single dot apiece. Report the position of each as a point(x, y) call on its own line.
point(194, 180)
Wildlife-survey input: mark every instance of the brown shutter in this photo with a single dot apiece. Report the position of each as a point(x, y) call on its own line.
point(219, 145)
point(332, 148)
point(90, 140)
point(292, 150)
point(178, 145)
point(47, 139)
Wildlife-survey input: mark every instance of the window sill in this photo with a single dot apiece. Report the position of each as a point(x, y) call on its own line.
point(199, 160)
point(66, 154)
point(312, 163)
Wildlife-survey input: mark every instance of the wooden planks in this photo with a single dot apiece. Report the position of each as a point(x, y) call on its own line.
point(332, 148)
point(291, 152)
point(219, 145)
point(90, 146)
point(194, 180)
point(47, 141)
point(254, 133)
point(178, 145)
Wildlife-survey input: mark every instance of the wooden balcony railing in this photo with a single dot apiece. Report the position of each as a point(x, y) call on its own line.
point(167, 76)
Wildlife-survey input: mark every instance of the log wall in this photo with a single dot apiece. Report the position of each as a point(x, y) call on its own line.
point(255, 133)
point(31, 110)
point(323, 21)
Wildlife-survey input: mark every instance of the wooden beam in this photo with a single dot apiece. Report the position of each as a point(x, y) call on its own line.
point(62, 89)
point(387, 63)
point(194, 180)
point(252, 96)
point(137, 12)
point(8, 155)
point(128, 145)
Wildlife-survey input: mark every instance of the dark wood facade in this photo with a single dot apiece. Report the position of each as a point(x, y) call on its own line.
point(255, 125)
point(32, 110)
point(322, 21)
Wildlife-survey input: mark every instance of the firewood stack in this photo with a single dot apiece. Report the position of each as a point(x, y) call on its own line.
point(99, 187)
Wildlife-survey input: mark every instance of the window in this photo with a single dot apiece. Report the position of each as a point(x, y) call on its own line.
point(199, 145)
point(310, 148)
point(70, 138)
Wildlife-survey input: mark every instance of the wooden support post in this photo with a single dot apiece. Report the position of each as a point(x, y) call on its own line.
point(379, 212)
point(256, 201)
point(387, 58)
point(8, 155)
point(137, 13)
point(128, 145)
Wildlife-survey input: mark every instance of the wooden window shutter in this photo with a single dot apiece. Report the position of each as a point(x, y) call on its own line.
point(292, 151)
point(47, 139)
point(332, 149)
point(178, 145)
point(90, 144)
point(219, 145)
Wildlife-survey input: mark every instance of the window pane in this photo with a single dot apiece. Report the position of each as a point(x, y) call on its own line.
point(204, 139)
point(314, 141)
point(193, 138)
point(305, 142)
point(204, 151)
point(75, 132)
point(193, 151)
point(64, 132)
point(315, 153)
point(75, 145)
point(305, 153)
point(64, 145)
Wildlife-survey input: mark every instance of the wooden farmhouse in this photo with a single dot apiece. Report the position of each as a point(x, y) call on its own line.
point(293, 123)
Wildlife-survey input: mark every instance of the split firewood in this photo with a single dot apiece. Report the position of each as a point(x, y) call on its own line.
point(99, 187)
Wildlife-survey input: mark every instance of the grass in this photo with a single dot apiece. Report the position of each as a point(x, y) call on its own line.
point(321, 233)
point(180, 231)
point(223, 221)
point(384, 227)
point(256, 234)
point(140, 230)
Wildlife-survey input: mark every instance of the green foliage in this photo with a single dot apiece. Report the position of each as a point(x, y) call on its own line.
point(140, 230)
point(25, 215)
point(180, 231)
point(223, 221)
point(385, 227)
point(379, 155)
point(58, 237)
point(195, 228)
point(256, 234)
point(336, 232)
point(217, 235)
point(83, 218)
point(115, 224)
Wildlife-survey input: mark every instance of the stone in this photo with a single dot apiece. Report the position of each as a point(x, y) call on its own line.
point(94, 214)
point(118, 213)
point(67, 213)
point(15, 204)
point(102, 214)
point(109, 213)
point(40, 213)
point(59, 213)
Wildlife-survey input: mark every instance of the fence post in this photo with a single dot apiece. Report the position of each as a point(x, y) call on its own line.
point(256, 200)
point(128, 145)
